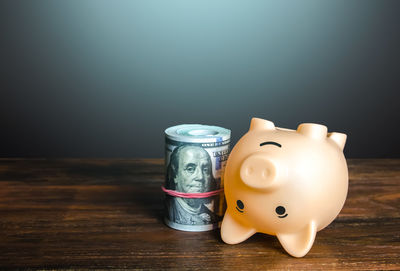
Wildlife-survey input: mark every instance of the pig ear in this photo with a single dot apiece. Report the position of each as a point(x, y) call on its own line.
point(338, 138)
point(232, 232)
point(299, 243)
point(261, 124)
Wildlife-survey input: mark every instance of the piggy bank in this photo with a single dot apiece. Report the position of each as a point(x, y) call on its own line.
point(288, 183)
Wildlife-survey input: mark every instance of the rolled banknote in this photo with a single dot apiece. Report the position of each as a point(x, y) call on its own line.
point(195, 158)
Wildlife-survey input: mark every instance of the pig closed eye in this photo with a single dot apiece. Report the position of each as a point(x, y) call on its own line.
point(239, 206)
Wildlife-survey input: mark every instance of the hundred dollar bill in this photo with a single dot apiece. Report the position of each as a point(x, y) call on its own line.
point(195, 158)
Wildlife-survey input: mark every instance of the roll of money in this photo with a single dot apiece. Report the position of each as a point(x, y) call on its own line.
point(195, 158)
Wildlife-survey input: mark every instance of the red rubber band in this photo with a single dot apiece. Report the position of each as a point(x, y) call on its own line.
point(191, 195)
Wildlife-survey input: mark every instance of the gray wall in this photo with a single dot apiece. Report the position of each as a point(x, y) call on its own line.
point(105, 78)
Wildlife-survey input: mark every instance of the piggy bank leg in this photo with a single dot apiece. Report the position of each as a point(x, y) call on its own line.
point(232, 232)
point(299, 243)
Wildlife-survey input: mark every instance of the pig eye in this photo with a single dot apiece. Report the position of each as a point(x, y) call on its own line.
point(239, 206)
point(280, 210)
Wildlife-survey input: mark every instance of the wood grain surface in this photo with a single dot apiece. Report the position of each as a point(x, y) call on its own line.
point(107, 214)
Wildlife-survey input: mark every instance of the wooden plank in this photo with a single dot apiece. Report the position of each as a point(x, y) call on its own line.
point(107, 213)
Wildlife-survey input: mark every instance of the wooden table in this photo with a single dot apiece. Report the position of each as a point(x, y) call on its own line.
point(107, 213)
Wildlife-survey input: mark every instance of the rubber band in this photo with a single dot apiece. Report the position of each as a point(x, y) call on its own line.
point(191, 195)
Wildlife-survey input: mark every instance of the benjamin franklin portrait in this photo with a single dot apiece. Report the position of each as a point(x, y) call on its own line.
point(190, 171)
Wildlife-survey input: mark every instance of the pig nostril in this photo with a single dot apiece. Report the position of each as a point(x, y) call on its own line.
point(265, 173)
point(249, 171)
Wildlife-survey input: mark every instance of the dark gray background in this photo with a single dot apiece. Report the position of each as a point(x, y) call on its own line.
point(105, 78)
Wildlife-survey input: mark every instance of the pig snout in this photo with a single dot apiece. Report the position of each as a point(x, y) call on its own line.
point(258, 171)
